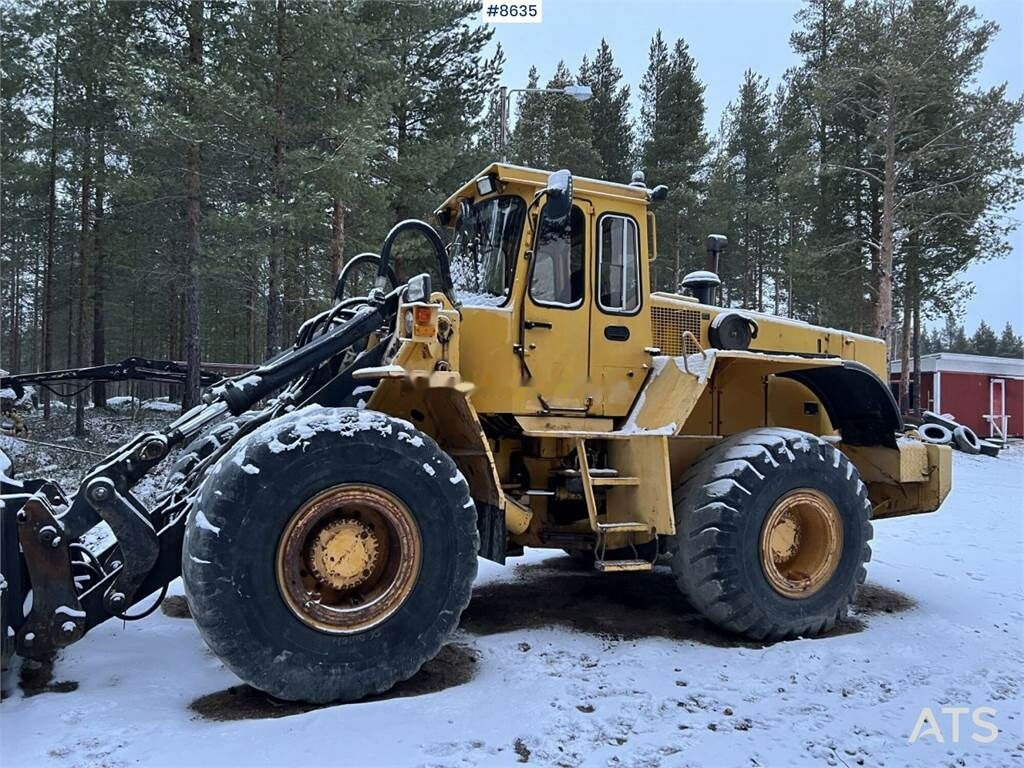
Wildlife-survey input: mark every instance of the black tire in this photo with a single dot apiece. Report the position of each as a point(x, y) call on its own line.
point(720, 509)
point(989, 448)
point(203, 446)
point(931, 417)
point(232, 536)
point(935, 433)
point(965, 439)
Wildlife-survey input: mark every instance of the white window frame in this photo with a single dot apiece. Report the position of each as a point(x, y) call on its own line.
point(636, 256)
point(1000, 428)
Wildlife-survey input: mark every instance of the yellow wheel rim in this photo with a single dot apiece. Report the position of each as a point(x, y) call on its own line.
point(801, 543)
point(348, 558)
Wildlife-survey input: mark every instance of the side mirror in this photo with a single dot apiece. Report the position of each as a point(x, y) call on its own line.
point(559, 192)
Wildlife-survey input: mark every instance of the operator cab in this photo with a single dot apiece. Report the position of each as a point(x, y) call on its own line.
point(557, 266)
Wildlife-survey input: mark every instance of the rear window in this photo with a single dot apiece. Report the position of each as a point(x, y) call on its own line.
point(618, 265)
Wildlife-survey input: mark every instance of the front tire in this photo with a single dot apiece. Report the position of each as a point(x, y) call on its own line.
point(330, 554)
point(772, 534)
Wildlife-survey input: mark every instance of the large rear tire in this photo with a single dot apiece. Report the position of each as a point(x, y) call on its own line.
point(330, 554)
point(772, 532)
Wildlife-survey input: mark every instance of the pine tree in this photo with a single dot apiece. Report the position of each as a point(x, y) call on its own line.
point(608, 115)
point(529, 142)
point(750, 153)
point(675, 147)
point(651, 87)
point(954, 338)
point(570, 136)
point(441, 84)
point(984, 340)
point(489, 142)
point(1010, 344)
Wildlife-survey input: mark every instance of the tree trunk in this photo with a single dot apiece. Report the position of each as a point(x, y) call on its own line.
point(337, 240)
point(883, 309)
point(36, 316)
point(99, 336)
point(275, 301)
point(13, 359)
point(51, 227)
point(190, 396)
point(916, 344)
point(904, 389)
point(250, 321)
point(84, 233)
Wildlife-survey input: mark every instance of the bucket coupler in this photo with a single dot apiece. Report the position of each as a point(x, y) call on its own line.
point(74, 588)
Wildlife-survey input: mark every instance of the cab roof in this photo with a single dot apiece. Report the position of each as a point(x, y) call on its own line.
point(538, 179)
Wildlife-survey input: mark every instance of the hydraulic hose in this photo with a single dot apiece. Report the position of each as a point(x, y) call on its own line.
point(359, 258)
point(243, 394)
point(429, 234)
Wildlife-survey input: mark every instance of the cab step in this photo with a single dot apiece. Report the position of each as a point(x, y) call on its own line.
point(627, 527)
point(619, 480)
point(612, 566)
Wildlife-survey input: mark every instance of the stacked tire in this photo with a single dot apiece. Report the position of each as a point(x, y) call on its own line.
point(942, 430)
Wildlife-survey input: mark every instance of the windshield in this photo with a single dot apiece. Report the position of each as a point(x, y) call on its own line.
point(485, 249)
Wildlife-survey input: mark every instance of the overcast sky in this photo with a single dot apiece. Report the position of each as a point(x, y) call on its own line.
point(729, 36)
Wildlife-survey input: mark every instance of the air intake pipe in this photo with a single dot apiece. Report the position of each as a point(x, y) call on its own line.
point(703, 284)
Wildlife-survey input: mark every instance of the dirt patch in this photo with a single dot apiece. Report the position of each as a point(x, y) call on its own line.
point(176, 606)
point(558, 592)
point(522, 751)
point(37, 677)
point(873, 599)
point(454, 665)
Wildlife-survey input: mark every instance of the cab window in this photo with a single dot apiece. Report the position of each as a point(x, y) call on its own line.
point(485, 249)
point(558, 264)
point(618, 264)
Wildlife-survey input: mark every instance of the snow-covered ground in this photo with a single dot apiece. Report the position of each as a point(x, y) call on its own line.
point(553, 666)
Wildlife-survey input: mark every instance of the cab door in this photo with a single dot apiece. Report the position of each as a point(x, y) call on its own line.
point(620, 326)
point(555, 317)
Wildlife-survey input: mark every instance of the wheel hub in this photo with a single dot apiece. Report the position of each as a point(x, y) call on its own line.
point(801, 543)
point(348, 558)
point(344, 554)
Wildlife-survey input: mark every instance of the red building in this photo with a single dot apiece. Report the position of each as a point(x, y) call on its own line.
point(981, 392)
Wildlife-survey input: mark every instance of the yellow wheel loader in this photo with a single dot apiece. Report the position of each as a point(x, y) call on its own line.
point(327, 509)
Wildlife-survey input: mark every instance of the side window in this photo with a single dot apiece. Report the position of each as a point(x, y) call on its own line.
point(558, 265)
point(618, 265)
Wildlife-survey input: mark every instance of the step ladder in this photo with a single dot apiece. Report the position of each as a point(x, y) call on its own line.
point(601, 477)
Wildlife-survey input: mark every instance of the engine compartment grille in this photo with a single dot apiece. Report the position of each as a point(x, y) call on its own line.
point(667, 327)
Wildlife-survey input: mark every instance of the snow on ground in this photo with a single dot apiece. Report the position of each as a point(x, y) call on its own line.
point(553, 666)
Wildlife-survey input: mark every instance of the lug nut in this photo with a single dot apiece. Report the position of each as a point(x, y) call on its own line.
point(100, 492)
point(117, 599)
point(22, 515)
point(68, 629)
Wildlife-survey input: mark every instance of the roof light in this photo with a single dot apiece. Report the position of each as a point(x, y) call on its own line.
point(486, 185)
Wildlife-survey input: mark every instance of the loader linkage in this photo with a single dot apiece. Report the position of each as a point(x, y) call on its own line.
point(54, 587)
